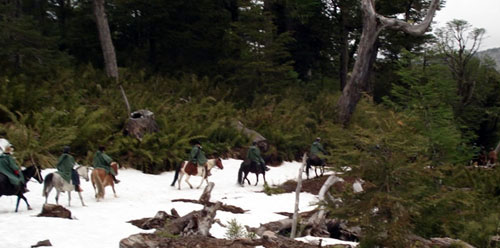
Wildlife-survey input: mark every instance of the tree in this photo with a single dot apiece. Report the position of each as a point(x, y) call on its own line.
point(454, 44)
point(108, 50)
point(373, 24)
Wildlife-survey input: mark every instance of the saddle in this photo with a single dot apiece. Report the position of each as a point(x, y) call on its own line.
point(191, 169)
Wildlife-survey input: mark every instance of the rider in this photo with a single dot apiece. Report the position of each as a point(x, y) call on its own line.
point(103, 161)
point(65, 168)
point(316, 148)
point(11, 170)
point(197, 157)
point(253, 155)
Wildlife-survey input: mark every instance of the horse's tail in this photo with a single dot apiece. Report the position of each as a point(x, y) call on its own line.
point(177, 169)
point(47, 183)
point(240, 173)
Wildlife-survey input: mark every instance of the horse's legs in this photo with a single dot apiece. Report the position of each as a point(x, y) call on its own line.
point(315, 167)
point(69, 198)
point(19, 197)
point(113, 188)
point(257, 176)
point(49, 188)
point(81, 199)
point(264, 176)
point(180, 179)
point(246, 174)
point(322, 169)
point(57, 196)
point(187, 181)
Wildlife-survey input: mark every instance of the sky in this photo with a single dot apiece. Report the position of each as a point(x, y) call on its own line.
point(103, 224)
point(480, 13)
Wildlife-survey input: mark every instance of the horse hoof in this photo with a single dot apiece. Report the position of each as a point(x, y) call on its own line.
point(30, 208)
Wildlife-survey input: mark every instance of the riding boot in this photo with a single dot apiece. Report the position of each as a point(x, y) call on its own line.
point(78, 188)
point(115, 180)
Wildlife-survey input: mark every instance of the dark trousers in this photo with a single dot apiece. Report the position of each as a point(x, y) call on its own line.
point(75, 177)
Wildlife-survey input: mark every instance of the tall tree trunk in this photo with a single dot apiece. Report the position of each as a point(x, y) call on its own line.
point(359, 76)
point(344, 50)
point(108, 50)
point(373, 23)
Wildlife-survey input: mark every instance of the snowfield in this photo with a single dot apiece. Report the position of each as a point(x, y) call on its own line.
point(103, 224)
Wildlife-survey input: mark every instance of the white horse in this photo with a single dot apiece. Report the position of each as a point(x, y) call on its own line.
point(199, 172)
point(54, 180)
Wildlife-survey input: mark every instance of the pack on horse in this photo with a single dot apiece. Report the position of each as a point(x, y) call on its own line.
point(101, 179)
point(247, 167)
point(6, 188)
point(54, 180)
point(189, 169)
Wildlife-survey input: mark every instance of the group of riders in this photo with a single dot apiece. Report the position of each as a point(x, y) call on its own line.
point(66, 163)
point(254, 157)
point(65, 167)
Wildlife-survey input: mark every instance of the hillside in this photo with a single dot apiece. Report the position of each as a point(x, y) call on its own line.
point(493, 53)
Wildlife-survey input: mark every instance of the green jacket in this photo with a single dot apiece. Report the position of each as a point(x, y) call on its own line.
point(197, 156)
point(254, 155)
point(8, 166)
point(65, 165)
point(316, 148)
point(103, 161)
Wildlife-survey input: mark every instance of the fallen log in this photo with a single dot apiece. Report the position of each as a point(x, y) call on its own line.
point(224, 207)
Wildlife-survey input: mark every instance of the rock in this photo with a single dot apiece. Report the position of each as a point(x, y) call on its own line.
point(42, 243)
point(52, 210)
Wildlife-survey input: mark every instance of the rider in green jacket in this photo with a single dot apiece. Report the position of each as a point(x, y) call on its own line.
point(65, 168)
point(316, 149)
point(255, 158)
point(103, 161)
point(197, 157)
point(11, 170)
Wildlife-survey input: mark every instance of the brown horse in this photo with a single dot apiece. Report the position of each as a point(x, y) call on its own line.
point(200, 171)
point(100, 179)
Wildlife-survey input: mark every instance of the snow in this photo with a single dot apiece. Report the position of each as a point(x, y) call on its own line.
point(103, 224)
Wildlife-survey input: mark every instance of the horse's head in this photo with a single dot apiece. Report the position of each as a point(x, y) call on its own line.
point(218, 163)
point(83, 171)
point(34, 171)
point(115, 166)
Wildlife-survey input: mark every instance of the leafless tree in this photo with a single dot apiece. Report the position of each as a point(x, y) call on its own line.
point(373, 24)
point(458, 42)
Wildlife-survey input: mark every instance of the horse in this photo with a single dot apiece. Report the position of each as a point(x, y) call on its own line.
point(316, 162)
point(54, 180)
point(100, 179)
point(6, 188)
point(245, 168)
point(181, 170)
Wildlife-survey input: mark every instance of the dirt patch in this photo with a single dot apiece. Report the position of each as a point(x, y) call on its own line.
point(311, 186)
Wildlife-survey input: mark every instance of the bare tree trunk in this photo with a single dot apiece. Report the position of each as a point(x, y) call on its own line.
point(344, 50)
point(108, 50)
point(297, 197)
point(373, 23)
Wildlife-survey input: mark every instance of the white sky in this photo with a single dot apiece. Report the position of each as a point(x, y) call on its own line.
point(480, 13)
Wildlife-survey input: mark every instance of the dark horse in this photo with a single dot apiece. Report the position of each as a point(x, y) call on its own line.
point(245, 168)
point(316, 162)
point(6, 188)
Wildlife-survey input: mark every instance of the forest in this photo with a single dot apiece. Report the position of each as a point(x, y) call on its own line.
point(408, 109)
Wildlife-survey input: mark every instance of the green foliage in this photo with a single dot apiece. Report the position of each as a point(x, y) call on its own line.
point(428, 95)
point(237, 231)
point(268, 190)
